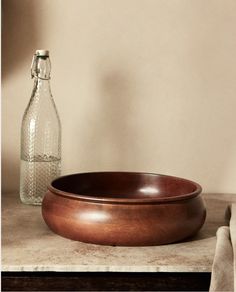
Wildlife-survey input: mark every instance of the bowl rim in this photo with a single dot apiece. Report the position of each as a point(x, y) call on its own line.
point(113, 200)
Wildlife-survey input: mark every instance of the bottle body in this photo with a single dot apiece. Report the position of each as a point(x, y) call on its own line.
point(40, 141)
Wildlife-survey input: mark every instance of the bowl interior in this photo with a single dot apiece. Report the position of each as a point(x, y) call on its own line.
point(124, 185)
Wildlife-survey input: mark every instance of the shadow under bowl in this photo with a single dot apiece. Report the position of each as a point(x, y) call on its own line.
point(124, 208)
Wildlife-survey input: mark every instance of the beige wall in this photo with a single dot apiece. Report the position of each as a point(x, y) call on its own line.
point(141, 85)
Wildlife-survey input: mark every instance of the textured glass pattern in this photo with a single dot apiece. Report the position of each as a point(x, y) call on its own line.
point(35, 176)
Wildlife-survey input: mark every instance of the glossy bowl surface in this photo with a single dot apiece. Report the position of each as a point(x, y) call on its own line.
point(124, 208)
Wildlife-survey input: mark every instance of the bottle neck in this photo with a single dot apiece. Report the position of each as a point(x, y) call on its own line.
point(42, 85)
point(40, 71)
point(41, 67)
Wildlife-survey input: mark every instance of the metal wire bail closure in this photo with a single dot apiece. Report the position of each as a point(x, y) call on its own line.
point(33, 67)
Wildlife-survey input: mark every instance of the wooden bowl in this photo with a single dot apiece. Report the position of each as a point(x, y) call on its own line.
point(123, 208)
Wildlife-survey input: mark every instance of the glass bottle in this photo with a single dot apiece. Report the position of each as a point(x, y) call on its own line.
point(40, 135)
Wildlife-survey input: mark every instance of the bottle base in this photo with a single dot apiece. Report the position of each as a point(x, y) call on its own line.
point(29, 202)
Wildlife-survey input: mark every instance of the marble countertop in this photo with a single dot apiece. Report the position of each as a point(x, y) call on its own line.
point(28, 245)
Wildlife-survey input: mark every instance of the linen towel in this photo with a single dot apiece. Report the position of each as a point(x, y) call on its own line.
point(223, 276)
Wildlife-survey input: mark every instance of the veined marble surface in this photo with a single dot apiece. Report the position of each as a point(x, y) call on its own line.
point(28, 245)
